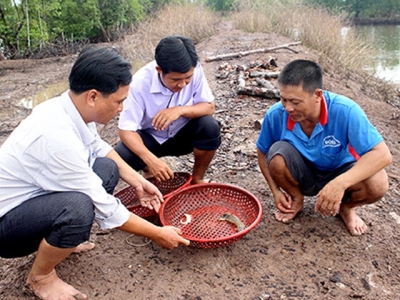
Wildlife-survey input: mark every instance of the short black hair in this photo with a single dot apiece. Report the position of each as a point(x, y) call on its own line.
point(176, 54)
point(100, 68)
point(301, 72)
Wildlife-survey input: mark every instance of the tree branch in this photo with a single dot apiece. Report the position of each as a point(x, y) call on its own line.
point(243, 53)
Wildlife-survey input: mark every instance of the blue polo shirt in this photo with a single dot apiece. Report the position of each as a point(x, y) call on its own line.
point(342, 135)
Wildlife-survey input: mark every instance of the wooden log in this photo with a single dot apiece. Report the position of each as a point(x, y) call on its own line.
point(242, 68)
point(223, 66)
point(223, 75)
point(265, 83)
point(264, 74)
point(259, 92)
point(241, 80)
point(272, 62)
point(267, 64)
point(244, 53)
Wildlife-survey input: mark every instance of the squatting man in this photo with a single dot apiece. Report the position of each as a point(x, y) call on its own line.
point(315, 142)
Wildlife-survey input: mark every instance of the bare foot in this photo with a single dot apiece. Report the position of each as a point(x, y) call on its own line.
point(85, 246)
point(50, 286)
point(198, 182)
point(353, 222)
point(205, 180)
point(297, 206)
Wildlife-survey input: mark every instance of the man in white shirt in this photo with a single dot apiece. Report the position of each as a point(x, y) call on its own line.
point(168, 112)
point(57, 175)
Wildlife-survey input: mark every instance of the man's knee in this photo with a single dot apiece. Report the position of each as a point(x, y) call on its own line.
point(78, 210)
point(378, 185)
point(64, 219)
point(72, 226)
point(369, 190)
point(209, 126)
point(277, 165)
point(207, 133)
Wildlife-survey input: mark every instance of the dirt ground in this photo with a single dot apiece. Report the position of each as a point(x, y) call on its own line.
point(313, 257)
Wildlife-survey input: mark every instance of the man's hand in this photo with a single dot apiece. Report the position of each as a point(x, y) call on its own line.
point(283, 202)
point(165, 116)
point(160, 170)
point(170, 237)
point(329, 199)
point(149, 196)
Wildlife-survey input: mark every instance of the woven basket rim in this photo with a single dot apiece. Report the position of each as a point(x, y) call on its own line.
point(141, 211)
point(234, 236)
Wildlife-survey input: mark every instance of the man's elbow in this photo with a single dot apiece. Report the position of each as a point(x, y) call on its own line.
point(211, 108)
point(385, 155)
point(388, 158)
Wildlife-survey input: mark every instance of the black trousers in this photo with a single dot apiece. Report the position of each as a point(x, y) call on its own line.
point(202, 133)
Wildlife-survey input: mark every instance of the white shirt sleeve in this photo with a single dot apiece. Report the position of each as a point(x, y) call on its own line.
point(67, 169)
point(202, 91)
point(131, 116)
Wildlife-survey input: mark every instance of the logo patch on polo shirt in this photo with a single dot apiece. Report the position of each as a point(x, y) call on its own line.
point(330, 141)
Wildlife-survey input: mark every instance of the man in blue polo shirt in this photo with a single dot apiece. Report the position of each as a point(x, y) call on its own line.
point(314, 142)
point(168, 112)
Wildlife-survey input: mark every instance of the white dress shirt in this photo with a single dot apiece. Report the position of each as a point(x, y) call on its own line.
point(147, 96)
point(53, 150)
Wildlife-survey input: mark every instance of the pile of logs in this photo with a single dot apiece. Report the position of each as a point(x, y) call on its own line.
point(254, 79)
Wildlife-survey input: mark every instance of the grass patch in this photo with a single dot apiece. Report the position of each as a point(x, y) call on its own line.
point(315, 27)
point(190, 19)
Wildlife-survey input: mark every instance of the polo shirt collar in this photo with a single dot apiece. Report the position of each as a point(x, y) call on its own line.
point(323, 117)
point(88, 136)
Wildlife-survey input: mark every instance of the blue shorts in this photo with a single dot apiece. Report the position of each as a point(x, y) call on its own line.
point(311, 180)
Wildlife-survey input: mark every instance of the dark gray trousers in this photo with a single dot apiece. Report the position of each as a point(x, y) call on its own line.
point(64, 219)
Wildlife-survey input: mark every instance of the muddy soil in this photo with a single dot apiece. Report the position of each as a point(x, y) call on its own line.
point(313, 257)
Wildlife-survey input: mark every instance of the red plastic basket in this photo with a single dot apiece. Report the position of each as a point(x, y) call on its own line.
point(167, 188)
point(206, 203)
